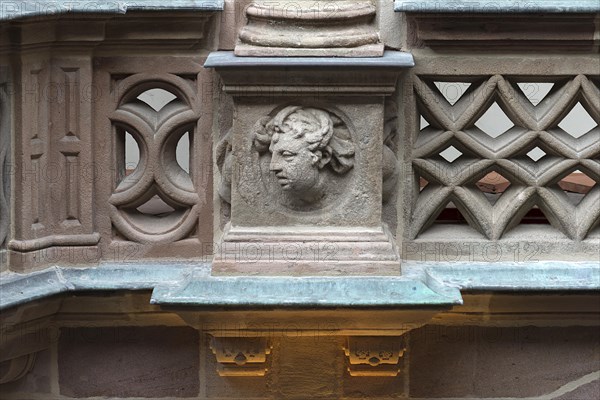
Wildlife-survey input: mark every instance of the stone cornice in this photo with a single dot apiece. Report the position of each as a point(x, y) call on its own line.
point(13, 10)
point(346, 76)
point(103, 33)
point(498, 6)
point(451, 29)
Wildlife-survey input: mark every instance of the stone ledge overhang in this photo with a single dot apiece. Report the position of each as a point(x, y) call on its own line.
point(422, 285)
point(20, 9)
point(497, 6)
point(17, 289)
point(285, 76)
point(390, 59)
point(305, 292)
point(534, 276)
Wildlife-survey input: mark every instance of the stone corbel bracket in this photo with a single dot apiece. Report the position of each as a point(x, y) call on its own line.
point(241, 356)
point(374, 355)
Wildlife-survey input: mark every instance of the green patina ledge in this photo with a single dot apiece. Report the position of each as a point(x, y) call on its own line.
point(191, 285)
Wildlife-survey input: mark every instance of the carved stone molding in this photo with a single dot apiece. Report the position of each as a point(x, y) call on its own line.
point(504, 7)
point(21, 11)
point(106, 34)
point(16, 368)
point(486, 32)
point(24, 332)
point(374, 355)
point(310, 28)
point(241, 356)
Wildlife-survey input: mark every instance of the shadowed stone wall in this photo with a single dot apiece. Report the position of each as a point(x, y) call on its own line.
point(516, 362)
point(466, 362)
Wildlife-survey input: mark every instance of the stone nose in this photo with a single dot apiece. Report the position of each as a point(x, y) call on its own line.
point(275, 165)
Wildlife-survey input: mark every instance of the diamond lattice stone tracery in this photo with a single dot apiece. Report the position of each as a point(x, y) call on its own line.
point(529, 147)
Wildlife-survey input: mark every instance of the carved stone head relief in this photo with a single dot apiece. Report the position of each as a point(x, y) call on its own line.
point(306, 146)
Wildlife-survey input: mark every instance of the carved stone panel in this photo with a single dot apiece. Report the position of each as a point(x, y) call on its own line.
point(308, 164)
point(304, 173)
point(241, 356)
point(530, 130)
point(158, 172)
point(374, 356)
point(306, 189)
point(155, 205)
point(53, 178)
point(67, 159)
point(534, 181)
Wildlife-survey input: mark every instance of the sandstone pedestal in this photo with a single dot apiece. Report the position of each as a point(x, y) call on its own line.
point(303, 166)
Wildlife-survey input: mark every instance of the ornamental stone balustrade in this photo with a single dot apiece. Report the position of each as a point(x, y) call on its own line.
point(251, 199)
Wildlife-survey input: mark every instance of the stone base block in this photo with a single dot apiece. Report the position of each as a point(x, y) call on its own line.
point(306, 251)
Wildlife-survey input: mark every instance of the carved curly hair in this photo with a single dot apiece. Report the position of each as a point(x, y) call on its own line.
point(316, 126)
